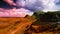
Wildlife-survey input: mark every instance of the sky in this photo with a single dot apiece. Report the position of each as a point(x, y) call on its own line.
point(30, 6)
point(36, 5)
point(52, 5)
point(45, 5)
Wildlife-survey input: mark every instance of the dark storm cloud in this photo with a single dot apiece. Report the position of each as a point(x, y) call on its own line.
point(5, 5)
point(32, 5)
point(37, 5)
point(57, 2)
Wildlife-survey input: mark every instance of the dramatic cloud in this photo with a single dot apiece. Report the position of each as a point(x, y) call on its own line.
point(35, 5)
point(32, 5)
point(15, 12)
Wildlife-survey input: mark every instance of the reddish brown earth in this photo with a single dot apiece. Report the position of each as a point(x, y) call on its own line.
point(12, 25)
point(19, 26)
point(35, 29)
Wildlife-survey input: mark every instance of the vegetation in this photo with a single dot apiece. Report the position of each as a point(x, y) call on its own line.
point(45, 21)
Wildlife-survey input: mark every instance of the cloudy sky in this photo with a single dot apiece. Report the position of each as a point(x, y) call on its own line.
point(35, 5)
point(40, 4)
point(29, 6)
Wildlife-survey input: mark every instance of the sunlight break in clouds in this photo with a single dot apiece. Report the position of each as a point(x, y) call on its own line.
point(50, 5)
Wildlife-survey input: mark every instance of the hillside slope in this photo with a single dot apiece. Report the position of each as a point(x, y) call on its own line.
point(12, 25)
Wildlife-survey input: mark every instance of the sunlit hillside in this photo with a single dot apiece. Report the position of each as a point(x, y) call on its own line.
point(38, 23)
point(12, 25)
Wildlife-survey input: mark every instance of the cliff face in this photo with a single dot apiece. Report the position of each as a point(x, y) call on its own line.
point(14, 25)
